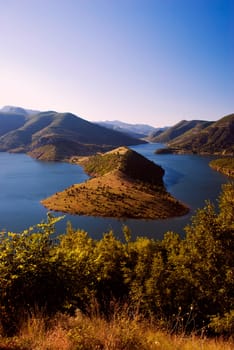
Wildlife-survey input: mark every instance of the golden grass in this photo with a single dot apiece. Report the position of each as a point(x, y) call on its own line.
point(96, 333)
point(223, 165)
point(114, 195)
point(116, 192)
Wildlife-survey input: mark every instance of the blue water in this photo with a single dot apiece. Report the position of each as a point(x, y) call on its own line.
point(25, 181)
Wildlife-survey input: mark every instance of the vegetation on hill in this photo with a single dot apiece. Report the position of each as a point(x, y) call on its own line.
point(177, 130)
point(181, 285)
point(57, 136)
point(129, 162)
point(217, 138)
point(43, 134)
point(198, 136)
point(224, 165)
point(125, 184)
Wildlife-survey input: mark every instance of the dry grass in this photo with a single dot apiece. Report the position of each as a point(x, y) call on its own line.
point(113, 195)
point(116, 191)
point(96, 333)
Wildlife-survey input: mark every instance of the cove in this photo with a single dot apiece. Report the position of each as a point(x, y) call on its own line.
point(25, 181)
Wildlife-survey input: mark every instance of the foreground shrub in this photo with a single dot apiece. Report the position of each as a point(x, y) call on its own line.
point(29, 274)
point(186, 284)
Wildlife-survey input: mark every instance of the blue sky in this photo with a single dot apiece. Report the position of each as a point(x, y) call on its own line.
point(138, 61)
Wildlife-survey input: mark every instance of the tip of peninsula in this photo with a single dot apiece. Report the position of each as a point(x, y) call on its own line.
point(123, 184)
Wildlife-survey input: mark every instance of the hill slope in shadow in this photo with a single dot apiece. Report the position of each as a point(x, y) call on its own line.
point(56, 136)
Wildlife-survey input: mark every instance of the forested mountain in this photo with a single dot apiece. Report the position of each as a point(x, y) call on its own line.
point(55, 136)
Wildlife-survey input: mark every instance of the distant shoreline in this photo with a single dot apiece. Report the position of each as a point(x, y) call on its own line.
point(224, 166)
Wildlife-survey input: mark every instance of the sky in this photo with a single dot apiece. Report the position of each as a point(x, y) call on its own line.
point(153, 62)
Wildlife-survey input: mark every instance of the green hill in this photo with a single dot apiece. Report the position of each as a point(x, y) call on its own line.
point(57, 136)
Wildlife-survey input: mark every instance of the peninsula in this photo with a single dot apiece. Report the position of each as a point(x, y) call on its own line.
point(123, 184)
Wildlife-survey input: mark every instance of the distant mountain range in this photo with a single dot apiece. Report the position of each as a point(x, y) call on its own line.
point(18, 110)
point(135, 130)
point(199, 136)
point(60, 136)
point(55, 136)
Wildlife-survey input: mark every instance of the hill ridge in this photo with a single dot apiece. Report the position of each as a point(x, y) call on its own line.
point(177, 130)
point(41, 132)
point(216, 138)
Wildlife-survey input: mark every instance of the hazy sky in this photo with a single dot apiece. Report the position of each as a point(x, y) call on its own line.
point(139, 61)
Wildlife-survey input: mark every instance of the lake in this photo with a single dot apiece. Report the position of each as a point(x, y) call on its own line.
point(25, 181)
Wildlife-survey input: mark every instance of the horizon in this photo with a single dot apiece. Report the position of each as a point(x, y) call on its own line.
point(108, 121)
point(139, 62)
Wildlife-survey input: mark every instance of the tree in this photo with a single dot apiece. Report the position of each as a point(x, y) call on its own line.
point(29, 274)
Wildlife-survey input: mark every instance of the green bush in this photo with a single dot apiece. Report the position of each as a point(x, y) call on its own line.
point(29, 274)
point(187, 283)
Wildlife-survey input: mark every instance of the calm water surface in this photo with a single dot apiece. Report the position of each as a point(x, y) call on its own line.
point(25, 181)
